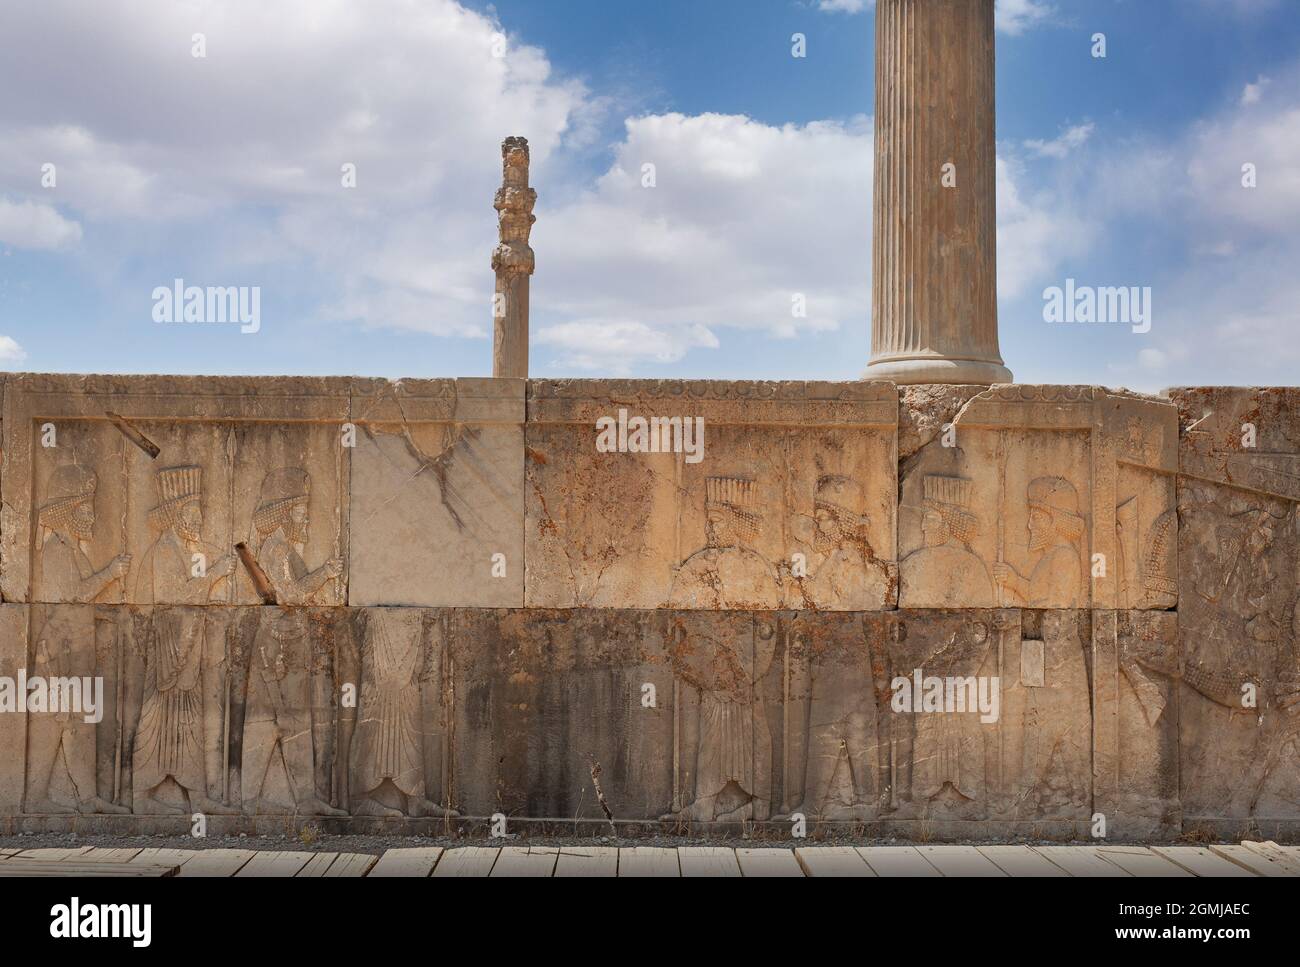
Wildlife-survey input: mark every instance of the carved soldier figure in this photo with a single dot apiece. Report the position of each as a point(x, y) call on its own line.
point(839, 722)
point(948, 747)
point(387, 747)
point(945, 572)
point(67, 521)
point(732, 754)
point(65, 642)
point(1057, 719)
point(279, 708)
point(844, 573)
point(169, 741)
point(281, 526)
point(1055, 529)
point(727, 573)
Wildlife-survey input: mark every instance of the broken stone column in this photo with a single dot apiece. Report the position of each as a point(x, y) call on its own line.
point(934, 285)
point(512, 261)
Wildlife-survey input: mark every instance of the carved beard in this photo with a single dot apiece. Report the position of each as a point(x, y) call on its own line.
point(297, 533)
point(824, 543)
point(81, 526)
point(1040, 538)
point(190, 535)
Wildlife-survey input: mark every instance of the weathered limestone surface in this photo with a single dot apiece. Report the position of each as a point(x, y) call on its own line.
point(1239, 606)
point(791, 502)
point(1044, 497)
point(654, 646)
point(437, 498)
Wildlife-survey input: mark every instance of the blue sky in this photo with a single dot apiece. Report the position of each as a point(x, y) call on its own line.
point(224, 170)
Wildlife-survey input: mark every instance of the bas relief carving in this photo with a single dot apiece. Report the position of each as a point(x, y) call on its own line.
point(791, 503)
point(728, 637)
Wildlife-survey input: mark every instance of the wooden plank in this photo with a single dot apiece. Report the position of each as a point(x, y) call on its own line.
point(1079, 860)
point(525, 861)
point(1250, 860)
point(1270, 850)
point(648, 861)
point(1140, 861)
point(1199, 861)
point(960, 861)
point(832, 861)
point(897, 861)
point(216, 862)
point(17, 866)
point(54, 852)
point(587, 861)
point(418, 861)
point(99, 854)
point(466, 861)
point(171, 857)
point(708, 861)
point(351, 864)
point(768, 862)
point(1021, 861)
point(274, 862)
point(317, 865)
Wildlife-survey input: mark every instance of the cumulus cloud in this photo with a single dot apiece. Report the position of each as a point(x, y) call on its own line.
point(31, 225)
point(1064, 144)
point(10, 351)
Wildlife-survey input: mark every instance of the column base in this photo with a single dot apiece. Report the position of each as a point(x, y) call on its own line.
point(907, 371)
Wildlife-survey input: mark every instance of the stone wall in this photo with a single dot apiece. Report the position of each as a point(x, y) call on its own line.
point(377, 605)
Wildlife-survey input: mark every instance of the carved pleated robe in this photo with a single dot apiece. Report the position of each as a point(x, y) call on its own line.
point(387, 741)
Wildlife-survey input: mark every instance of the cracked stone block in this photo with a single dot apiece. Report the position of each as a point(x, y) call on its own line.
point(788, 503)
point(437, 494)
point(1043, 497)
point(1239, 606)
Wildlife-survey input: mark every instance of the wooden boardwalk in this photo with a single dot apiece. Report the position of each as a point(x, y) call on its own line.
point(1247, 859)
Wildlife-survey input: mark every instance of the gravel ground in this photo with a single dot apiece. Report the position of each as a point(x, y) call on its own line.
point(378, 844)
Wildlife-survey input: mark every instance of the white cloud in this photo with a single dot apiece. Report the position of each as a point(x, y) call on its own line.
point(31, 225)
point(744, 217)
point(1036, 233)
point(10, 351)
point(618, 346)
point(843, 6)
point(747, 221)
point(1063, 145)
point(1251, 93)
point(1017, 16)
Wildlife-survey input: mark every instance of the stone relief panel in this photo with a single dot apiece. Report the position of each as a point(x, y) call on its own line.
point(437, 493)
point(396, 739)
point(1239, 605)
point(835, 723)
point(1135, 700)
point(549, 703)
point(722, 745)
point(1240, 711)
point(989, 715)
point(263, 711)
point(139, 492)
point(1043, 497)
point(781, 495)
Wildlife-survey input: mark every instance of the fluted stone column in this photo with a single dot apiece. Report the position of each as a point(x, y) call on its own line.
point(512, 261)
point(934, 287)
